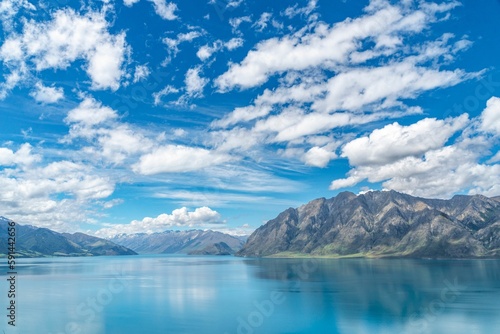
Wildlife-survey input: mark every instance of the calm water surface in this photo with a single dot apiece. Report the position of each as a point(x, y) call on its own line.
point(181, 294)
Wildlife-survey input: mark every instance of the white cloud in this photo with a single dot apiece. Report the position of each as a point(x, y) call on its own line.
point(10, 8)
point(418, 160)
point(495, 158)
point(22, 156)
point(394, 142)
point(164, 92)
point(107, 138)
point(296, 10)
point(104, 65)
point(46, 94)
point(141, 72)
point(234, 3)
point(261, 24)
point(90, 112)
point(178, 159)
point(180, 132)
point(58, 195)
point(194, 82)
point(66, 38)
point(173, 43)
point(329, 47)
point(242, 114)
point(206, 51)
point(200, 217)
point(165, 9)
point(129, 3)
point(235, 22)
point(331, 79)
point(358, 88)
point(319, 156)
point(294, 123)
point(490, 118)
point(234, 43)
point(121, 142)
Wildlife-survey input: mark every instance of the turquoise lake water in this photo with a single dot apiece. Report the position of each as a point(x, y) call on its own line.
point(183, 294)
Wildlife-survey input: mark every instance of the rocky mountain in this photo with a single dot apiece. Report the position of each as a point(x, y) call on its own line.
point(220, 248)
point(33, 241)
point(385, 224)
point(181, 242)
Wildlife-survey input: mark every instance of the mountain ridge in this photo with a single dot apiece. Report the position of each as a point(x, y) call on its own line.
point(32, 241)
point(382, 224)
point(206, 242)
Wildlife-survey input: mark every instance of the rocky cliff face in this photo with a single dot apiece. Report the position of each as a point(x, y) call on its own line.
point(384, 223)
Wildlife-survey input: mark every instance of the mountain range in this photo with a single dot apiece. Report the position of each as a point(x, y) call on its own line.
point(195, 242)
point(33, 241)
point(382, 224)
point(373, 224)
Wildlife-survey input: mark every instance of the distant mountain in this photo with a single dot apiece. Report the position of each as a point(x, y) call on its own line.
point(220, 248)
point(384, 223)
point(32, 241)
point(181, 242)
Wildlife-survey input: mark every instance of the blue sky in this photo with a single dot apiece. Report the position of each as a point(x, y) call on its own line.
point(145, 115)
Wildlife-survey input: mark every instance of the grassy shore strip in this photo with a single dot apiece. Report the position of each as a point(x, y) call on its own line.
point(293, 255)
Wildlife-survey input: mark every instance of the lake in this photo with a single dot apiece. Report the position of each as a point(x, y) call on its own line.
point(184, 294)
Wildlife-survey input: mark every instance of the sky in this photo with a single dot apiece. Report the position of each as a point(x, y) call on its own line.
point(127, 116)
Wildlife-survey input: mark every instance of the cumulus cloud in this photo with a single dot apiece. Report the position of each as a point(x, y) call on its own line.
point(23, 156)
point(242, 114)
point(90, 112)
point(129, 3)
point(66, 38)
point(178, 159)
point(194, 86)
point(418, 159)
point(10, 8)
point(46, 94)
point(174, 42)
point(164, 92)
point(107, 138)
point(56, 195)
point(200, 217)
point(261, 24)
point(235, 22)
point(165, 9)
point(234, 3)
point(329, 80)
point(141, 73)
point(319, 156)
point(194, 82)
point(490, 117)
point(394, 142)
point(358, 88)
point(326, 46)
point(206, 51)
point(234, 43)
point(296, 10)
